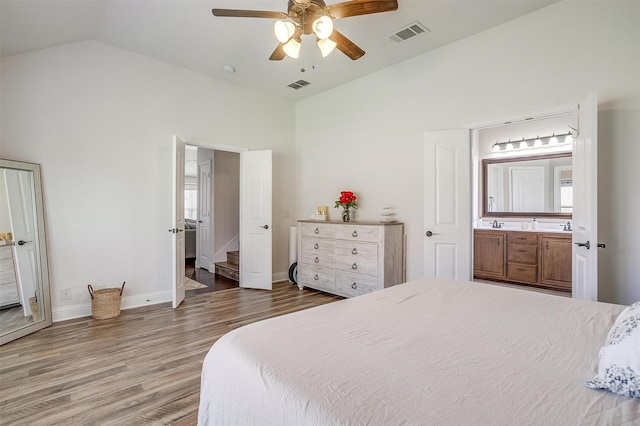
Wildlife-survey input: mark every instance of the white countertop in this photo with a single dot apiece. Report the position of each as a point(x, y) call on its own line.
point(559, 230)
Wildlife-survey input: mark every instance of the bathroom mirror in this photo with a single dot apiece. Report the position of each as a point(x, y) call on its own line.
point(535, 186)
point(25, 301)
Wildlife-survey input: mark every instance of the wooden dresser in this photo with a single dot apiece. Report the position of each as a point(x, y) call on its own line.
point(9, 295)
point(349, 259)
point(534, 258)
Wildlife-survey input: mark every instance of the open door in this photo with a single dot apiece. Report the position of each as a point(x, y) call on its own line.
point(177, 231)
point(255, 219)
point(447, 204)
point(585, 201)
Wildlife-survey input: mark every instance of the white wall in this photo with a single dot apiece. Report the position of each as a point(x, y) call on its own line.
point(370, 135)
point(100, 121)
point(227, 203)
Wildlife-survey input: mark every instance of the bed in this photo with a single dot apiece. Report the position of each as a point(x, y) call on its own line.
point(431, 351)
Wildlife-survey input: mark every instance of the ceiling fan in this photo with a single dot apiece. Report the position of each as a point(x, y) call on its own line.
point(306, 17)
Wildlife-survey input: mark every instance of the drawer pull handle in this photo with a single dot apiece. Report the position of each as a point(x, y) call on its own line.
point(354, 251)
point(354, 286)
point(522, 270)
point(316, 260)
point(354, 234)
point(354, 266)
point(521, 251)
point(316, 246)
point(315, 277)
point(521, 238)
point(317, 231)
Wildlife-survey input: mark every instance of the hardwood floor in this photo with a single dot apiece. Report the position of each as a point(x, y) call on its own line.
point(212, 281)
point(140, 368)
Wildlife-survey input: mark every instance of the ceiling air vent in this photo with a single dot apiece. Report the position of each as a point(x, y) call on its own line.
point(298, 84)
point(410, 31)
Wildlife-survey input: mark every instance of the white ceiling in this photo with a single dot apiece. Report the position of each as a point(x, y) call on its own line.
point(185, 33)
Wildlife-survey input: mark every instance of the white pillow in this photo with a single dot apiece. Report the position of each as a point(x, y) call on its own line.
point(619, 366)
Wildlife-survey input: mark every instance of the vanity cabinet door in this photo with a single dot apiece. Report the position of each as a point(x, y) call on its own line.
point(489, 254)
point(555, 254)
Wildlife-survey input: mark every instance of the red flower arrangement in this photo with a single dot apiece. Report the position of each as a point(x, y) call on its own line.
point(347, 200)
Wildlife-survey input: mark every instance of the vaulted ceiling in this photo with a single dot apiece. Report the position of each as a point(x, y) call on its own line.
point(185, 33)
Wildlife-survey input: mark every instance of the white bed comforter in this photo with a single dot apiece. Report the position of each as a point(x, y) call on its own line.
point(431, 351)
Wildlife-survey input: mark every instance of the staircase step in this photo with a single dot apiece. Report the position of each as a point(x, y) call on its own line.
point(229, 271)
point(233, 258)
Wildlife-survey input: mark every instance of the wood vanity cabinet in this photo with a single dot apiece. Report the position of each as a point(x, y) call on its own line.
point(350, 259)
point(489, 254)
point(534, 258)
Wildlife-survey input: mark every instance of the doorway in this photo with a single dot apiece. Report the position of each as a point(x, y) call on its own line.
point(211, 202)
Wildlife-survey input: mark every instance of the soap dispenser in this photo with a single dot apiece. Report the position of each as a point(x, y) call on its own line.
point(534, 224)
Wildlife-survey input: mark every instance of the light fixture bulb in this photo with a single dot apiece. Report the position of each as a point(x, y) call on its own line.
point(537, 143)
point(523, 144)
point(495, 147)
point(283, 30)
point(292, 48)
point(568, 139)
point(509, 146)
point(553, 140)
point(323, 27)
point(326, 46)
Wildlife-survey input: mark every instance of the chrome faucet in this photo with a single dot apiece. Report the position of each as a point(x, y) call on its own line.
point(496, 224)
point(567, 227)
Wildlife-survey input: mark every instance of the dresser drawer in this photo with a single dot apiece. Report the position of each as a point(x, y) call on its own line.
point(362, 266)
point(316, 277)
point(324, 230)
point(522, 237)
point(525, 253)
point(522, 272)
point(359, 233)
point(317, 245)
point(6, 252)
point(318, 259)
point(356, 251)
point(355, 284)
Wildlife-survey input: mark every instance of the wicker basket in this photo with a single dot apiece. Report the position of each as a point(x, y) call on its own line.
point(105, 303)
point(33, 304)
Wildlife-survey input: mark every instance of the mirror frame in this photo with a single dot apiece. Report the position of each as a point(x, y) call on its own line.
point(47, 316)
point(485, 164)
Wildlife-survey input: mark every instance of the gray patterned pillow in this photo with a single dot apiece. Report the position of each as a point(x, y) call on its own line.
point(619, 366)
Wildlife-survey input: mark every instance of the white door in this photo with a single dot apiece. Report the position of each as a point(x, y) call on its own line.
point(177, 230)
point(21, 203)
point(447, 204)
point(205, 192)
point(585, 201)
point(526, 189)
point(255, 219)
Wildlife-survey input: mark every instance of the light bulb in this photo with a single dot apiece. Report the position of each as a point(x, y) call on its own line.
point(568, 139)
point(283, 30)
point(553, 140)
point(509, 146)
point(523, 144)
point(537, 143)
point(323, 27)
point(292, 48)
point(326, 46)
point(495, 148)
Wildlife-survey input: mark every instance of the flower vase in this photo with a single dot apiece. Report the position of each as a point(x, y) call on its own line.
point(346, 215)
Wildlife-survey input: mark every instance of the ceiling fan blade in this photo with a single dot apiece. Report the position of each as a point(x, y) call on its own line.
point(346, 46)
point(234, 13)
point(361, 7)
point(278, 54)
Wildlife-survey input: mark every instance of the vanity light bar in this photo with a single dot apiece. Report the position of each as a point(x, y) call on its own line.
point(533, 142)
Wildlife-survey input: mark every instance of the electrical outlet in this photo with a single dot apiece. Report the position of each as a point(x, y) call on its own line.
point(65, 294)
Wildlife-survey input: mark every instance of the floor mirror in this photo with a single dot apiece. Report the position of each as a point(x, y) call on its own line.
point(25, 300)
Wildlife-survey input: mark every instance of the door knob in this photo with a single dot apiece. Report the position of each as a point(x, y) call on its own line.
point(199, 221)
point(22, 242)
point(602, 245)
point(587, 245)
point(265, 226)
point(429, 234)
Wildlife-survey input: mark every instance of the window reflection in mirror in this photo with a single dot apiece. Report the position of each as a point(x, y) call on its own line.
point(539, 185)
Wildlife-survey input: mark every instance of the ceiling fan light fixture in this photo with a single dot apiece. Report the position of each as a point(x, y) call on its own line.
point(323, 27)
point(283, 30)
point(326, 46)
point(292, 48)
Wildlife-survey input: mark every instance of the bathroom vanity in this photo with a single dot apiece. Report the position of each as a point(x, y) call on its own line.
point(538, 258)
